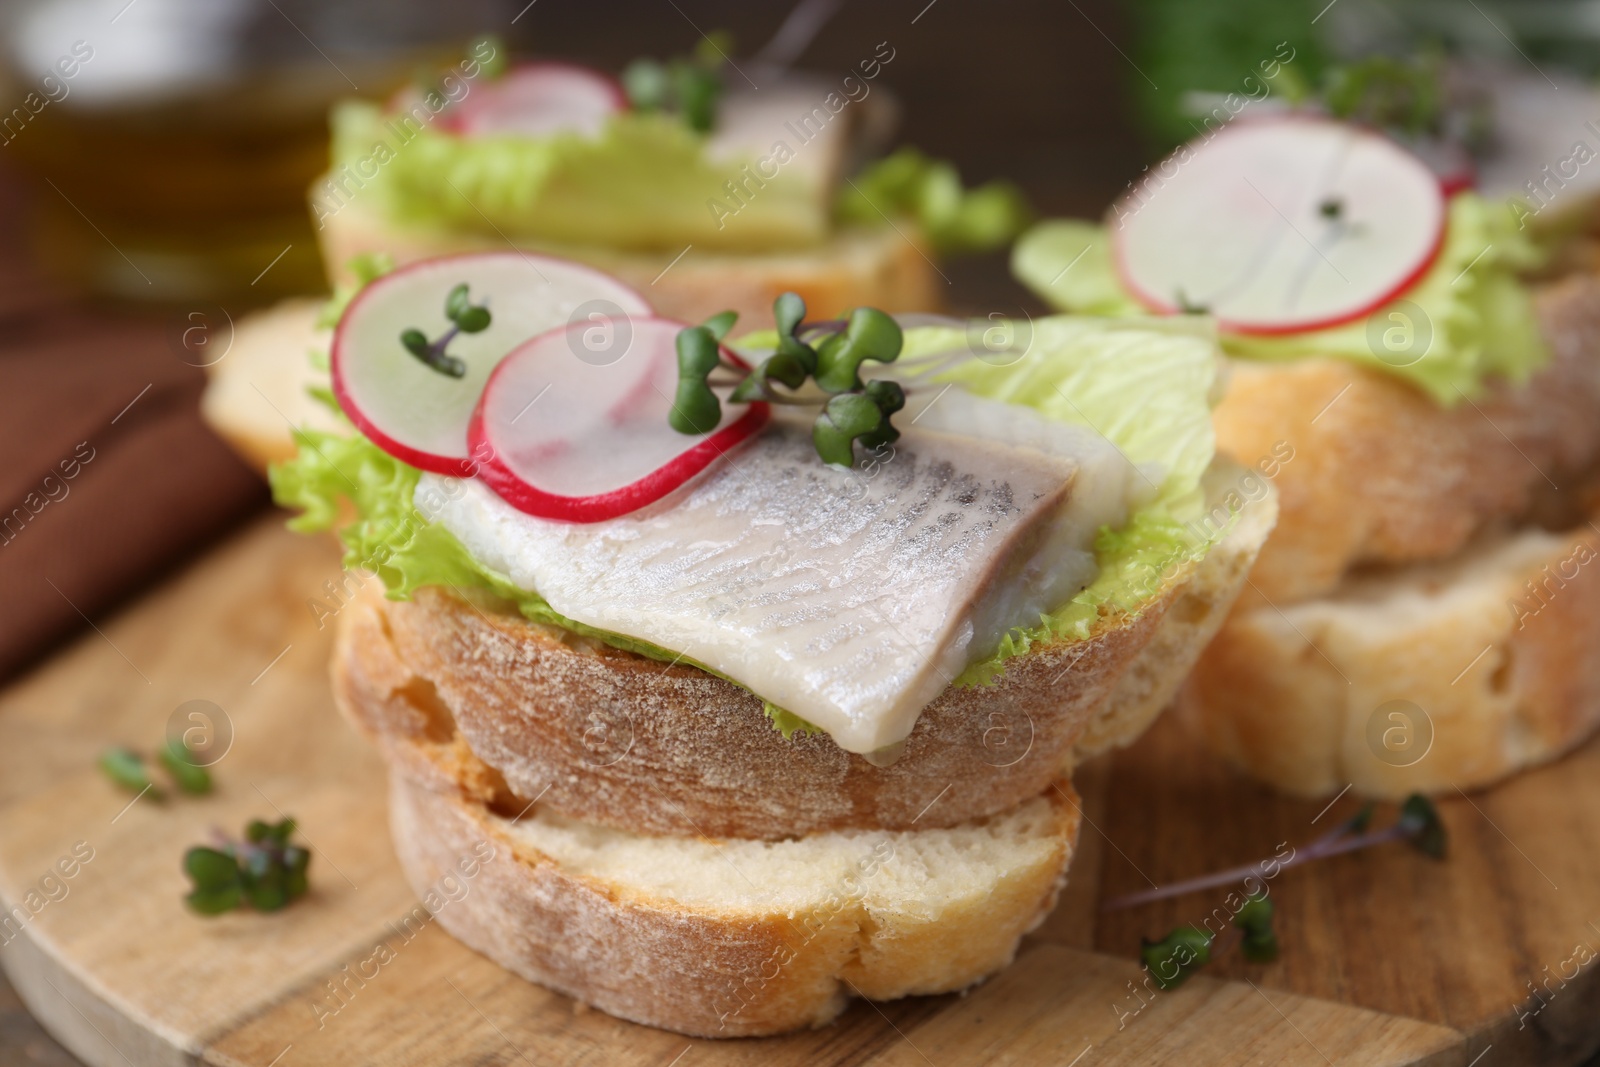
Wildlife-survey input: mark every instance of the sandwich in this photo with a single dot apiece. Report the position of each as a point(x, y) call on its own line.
point(759, 660)
point(680, 179)
point(1421, 383)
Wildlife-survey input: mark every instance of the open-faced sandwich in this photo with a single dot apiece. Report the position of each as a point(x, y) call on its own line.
point(681, 179)
point(760, 664)
point(1427, 403)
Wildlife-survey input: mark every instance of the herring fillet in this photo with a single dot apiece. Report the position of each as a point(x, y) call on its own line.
point(846, 597)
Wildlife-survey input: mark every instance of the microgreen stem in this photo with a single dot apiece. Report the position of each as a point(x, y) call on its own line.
point(1337, 841)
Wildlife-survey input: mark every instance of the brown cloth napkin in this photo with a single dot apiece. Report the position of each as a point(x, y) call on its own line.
point(108, 478)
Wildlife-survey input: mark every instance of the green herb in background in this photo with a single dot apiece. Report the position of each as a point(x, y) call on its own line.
point(1184, 47)
point(691, 86)
point(179, 763)
point(265, 871)
point(955, 219)
point(127, 769)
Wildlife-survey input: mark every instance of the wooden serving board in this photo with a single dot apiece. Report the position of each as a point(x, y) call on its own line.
point(1387, 957)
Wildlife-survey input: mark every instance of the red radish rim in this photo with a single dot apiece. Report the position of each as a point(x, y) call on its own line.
point(450, 117)
point(1410, 279)
point(466, 466)
point(1462, 181)
point(662, 481)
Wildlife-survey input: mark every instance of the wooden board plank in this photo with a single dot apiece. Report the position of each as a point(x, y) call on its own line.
point(1466, 943)
point(1375, 966)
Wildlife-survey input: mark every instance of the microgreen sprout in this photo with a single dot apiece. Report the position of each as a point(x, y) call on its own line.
point(465, 317)
point(264, 870)
point(1190, 307)
point(1187, 948)
point(690, 85)
point(1388, 92)
point(127, 768)
point(830, 354)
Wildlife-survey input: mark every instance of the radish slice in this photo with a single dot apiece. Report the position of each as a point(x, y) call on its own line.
point(1279, 226)
point(538, 99)
point(564, 436)
point(419, 415)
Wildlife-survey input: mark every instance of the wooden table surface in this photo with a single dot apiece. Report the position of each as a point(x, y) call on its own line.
point(1046, 107)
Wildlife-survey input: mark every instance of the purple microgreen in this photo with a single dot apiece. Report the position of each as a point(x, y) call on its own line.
point(265, 870)
point(465, 317)
point(1419, 824)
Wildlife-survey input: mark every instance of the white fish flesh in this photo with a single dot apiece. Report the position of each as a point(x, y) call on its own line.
point(851, 598)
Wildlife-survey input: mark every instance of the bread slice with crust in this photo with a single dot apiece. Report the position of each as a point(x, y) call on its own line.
point(1418, 678)
point(1377, 472)
point(620, 740)
point(730, 938)
point(885, 267)
point(256, 394)
point(716, 937)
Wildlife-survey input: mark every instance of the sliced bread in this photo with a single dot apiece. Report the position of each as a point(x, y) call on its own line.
point(729, 938)
point(710, 936)
point(1370, 470)
point(1420, 678)
point(256, 396)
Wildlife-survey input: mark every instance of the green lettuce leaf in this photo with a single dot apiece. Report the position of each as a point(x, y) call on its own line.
point(953, 218)
point(645, 182)
point(1480, 315)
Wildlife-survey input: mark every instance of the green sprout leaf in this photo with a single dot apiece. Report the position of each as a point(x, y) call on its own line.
point(1260, 944)
point(696, 408)
point(691, 86)
point(1423, 826)
point(210, 868)
point(215, 901)
point(124, 767)
point(264, 871)
point(788, 311)
point(890, 398)
point(1175, 957)
point(265, 880)
point(180, 763)
point(778, 367)
point(845, 418)
point(296, 861)
point(456, 302)
point(720, 324)
point(870, 334)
